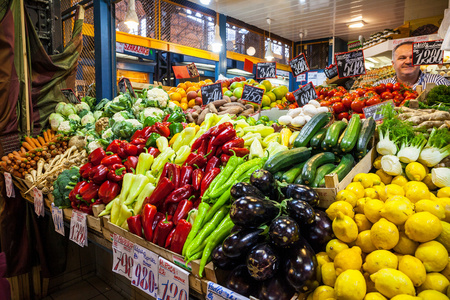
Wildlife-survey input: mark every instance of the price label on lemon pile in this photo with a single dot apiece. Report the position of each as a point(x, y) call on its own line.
point(9, 186)
point(38, 202)
point(218, 292)
point(122, 256)
point(145, 271)
point(78, 228)
point(173, 282)
point(57, 216)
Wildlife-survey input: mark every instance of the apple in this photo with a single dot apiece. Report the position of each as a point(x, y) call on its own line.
point(242, 78)
point(198, 101)
point(191, 95)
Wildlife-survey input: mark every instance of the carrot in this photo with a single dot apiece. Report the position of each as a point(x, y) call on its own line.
point(27, 146)
point(46, 136)
point(41, 140)
point(36, 142)
point(5, 158)
point(15, 153)
point(30, 142)
point(22, 149)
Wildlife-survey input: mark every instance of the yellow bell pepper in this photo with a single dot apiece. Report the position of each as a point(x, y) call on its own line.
point(240, 132)
point(185, 138)
point(274, 137)
point(256, 150)
point(292, 138)
point(182, 154)
point(124, 214)
point(161, 159)
point(275, 147)
point(223, 119)
point(249, 137)
point(174, 138)
point(262, 129)
point(151, 178)
point(115, 210)
point(240, 124)
point(211, 120)
point(162, 143)
point(285, 134)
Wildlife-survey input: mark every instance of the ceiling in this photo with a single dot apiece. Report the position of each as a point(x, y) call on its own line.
point(319, 18)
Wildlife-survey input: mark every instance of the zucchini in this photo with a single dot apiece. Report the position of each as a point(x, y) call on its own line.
point(321, 172)
point(284, 159)
point(278, 175)
point(366, 134)
point(311, 128)
point(290, 175)
point(333, 133)
point(315, 141)
point(351, 134)
point(336, 149)
point(344, 167)
point(298, 180)
point(310, 168)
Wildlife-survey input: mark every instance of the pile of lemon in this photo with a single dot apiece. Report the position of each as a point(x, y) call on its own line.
point(392, 242)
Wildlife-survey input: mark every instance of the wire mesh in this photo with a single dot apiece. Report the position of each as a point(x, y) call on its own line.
point(240, 39)
point(147, 15)
point(4, 5)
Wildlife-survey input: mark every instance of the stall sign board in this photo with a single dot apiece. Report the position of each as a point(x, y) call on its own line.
point(218, 292)
point(211, 92)
point(252, 94)
point(78, 228)
point(38, 202)
point(70, 96)
point(145, 271)
point(9, 186)
point(374, 111)
point(350, 64)
point(304, 94)
point(124, 85)
point(428, 53)
point(266, 70)
point(299, 64)
point(173, 281)
point(122, 256)
point(57, 216)
point(192, 69)
point(331, 71)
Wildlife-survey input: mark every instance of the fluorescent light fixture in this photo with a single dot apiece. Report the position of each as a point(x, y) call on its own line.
point(217, 43)
point(358, 18)
point(131, 18)
point(372, 60)
point(269, 53)
point(205, 2)
point(357, 24)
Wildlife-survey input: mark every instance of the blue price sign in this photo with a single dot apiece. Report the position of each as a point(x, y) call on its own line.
point(145, 271)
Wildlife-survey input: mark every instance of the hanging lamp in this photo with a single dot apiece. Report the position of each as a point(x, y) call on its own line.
point(131, 18)
point(269, 53)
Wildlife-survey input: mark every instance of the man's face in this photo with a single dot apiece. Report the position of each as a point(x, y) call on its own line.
point(403, 62)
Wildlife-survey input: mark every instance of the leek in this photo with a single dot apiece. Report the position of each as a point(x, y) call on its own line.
point(437, 147)
point(410, 151)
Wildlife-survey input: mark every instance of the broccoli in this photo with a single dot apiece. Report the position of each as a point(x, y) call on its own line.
point(63, 185)
point(439, 94)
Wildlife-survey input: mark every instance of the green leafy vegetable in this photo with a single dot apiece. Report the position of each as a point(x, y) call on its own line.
point(63, 185)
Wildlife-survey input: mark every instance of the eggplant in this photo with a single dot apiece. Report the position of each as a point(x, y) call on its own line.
point(264, 181)
point(222, 261)
point(300, 211)
point(276, 288)
point(252, 211)
point(300, 267)
point(284, 231)
point(318, 233)
point(240, 281)
point(240, 242)
point(262, 262)
point(242, 189)
point(300, 192)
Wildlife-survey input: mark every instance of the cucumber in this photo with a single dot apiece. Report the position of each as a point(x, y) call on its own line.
point(336, 149)
point(344, 167)
point(298, 180)
point(311, 128)
point(284, 159)
point(278, 175)
point(333, 134)
point(315, 141)
point(366, 134)
point(290, 175)
point(310, 168)
point(351, 134)
point(321, 172)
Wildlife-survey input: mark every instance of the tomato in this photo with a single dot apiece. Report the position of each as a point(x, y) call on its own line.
point(343, 115)
point(321, 97)
point(397, 86)
point(380, 88)
point(292, 106)
point(389, 86)
point(338, 107)
point(373, 100)
point(386, 95)
point(342, 89)
point(369, 94)
point(325, 103)
point(347, 101)
point(290, 97)
point(360, 91)
point(398, 99)
point(358, 105)
point(395, 93)
point(409, 94)
point(338, 94)
point(335, 99)
point(331, 93)
point(361, 115)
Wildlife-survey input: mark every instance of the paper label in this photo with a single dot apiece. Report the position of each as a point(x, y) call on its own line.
point(78, 228)
point(122, 256)
point(173, 282)
point(145, 271)
point(58, 220)
point(9, 186)
point(38, 202)
point(218, 292)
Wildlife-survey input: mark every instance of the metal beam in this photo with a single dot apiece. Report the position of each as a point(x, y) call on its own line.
point(221, 65)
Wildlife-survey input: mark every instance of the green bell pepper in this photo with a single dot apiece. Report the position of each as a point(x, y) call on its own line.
point(151, 141)
point(175, 128)
point(150, 121)
point(176, 117)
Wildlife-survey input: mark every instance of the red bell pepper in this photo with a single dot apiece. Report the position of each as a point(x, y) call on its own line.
point(236, 142)
point(165, 170)
point(96, 156)
point(114, 146)
point(129, 149)
point(162, 190)
point(180, 235)
point(74, 200)
point(116, 172)
point(203, 148)
point(162, 231)
point(131, 163)
point(173, 173)
point(140, 148)
point(221, 127)
point(98, 174)
point(83, 207)
point(169, 238)
point(183, 209)
point(186, 175)
point(162, 129)
point(206, 181)
point(181, 193)
point(138, 141)
point(213, 162)
point(85, 170)
point(166, 117)
point(241, 152)
point(224, 159)
point(147, 131)
point(224, 136)
point(197, 177)
point(148, 216)
point(153, 151)
point(197, 202)
point(158, 217)
point(211, 149)
point(137, 134)
point(135, 225)
point(206, 136)
point(196, 160)
point(111, 160)
point(108, 191)
point(89, 192)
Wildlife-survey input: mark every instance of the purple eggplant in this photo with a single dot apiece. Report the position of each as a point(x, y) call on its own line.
point(262, 262)
point(318, 233)
point(240, 242)
point(222, 261)
point(300, 267)
point(300, 192)
point(284, 231)
point(300, 211)
point(264, 181)
point(276, 288)
point(253, 211)
point(240, 281)
point(242, 189)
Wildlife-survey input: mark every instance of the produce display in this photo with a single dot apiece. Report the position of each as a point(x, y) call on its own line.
point(373, 76)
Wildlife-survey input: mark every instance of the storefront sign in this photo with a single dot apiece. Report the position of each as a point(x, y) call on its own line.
point(374, 111)
point(57, 216)
point(125, 84)
point(78, 228)
point(252, 94)
point(331, 71)
point(428, 53)
point(38, 202)
point(173, 282)
point(9, 186)
point(299, 64)
point(304, 94)
point(122, 47)
point(211, 92)
point(145, 271)
point(218, 292)
point(350, 64)
point(353, 45)
point(266, 70)
point(70, 96)
point(122, 256)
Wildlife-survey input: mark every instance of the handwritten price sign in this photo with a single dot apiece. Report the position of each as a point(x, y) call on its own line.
point(211, 92)
point(428, 53)
point(218, 292)
point(9, 186)
point(304, 94)
point(266, 70)
point(122, 256)
point(173, 282)
point(252, 94)
point(38, 202)
point(78, 228)
point(57, 216)
point(145, 271)
point(299, 65)
point(350, 64)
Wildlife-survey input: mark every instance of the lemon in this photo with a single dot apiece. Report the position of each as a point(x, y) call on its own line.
point(328, 274)
point(322, 258)
point(350, 285)
point(399, 180)
point(370, 285)
point(347, 196)
point(397, 197)
point(359, 177)
point(433, 255)
point(435, 281)
point(432, 295)
point(446, 271)
point(357, 188)
point(394, 190)
point(444, 237)
point(348, 259)
point(362, 222)
point(444, 192)
point(359, 207)
point(344, 228)
point(405, 245)
point(429, 183)
point(367, 181)
point(335, 246)
point(397, 211)
point(374, 296)
point(375, 179)
point(405, 297)
point(377, 163)
point(323, 292)
point(445, 202)
point(415, 171)
point(371, 193)
point(413, 268)
point(364, 242)
point(340, 206)
point(380, 259)
point(417, 192)
point(423, 227)
point(372, 209)
point(430, 206)
point(384, 234)
point(380, 190)
point(385, 177)
point(391, 282)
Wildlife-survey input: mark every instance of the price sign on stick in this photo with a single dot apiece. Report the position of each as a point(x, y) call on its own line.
point(173, 282)
point(218, 292)
point(374, 111)
point(123, 260)
point(299, 65)
point(125, 84)
point(428, 53)
point(9, 186)
point(211, 92)
point(252, 94)
point(78, 228)
point(38, 202)
point(145, 271)
point(57, 216)
point(331, 71)
point(350, 64)
point(304, 94)
point(266, 70)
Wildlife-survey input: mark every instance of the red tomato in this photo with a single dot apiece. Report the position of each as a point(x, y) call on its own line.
point(369, 94)
point(342, 89)
point(398, 99)
point(290, 97)
point(292, 106)
point(360, 91)
point(338, 107)
point(331, 93)
point(361, 115)
point(386, 95)
point(325, 103)
point(321, 97)
point(373, 100)
point(395, 93)
point(358, 105)
point(343, 115)
point(397, 86)
point(347, 101)
point(380, 88)
point(389, 86)
point(338, 94)
point(335, 99)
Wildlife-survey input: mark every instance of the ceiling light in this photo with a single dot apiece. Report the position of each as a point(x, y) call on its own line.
point(269, 53)
point(217, 43)
point(358, 18)
point(251, 51)
point(205, 2)
point(358, 24)
point(131, 18)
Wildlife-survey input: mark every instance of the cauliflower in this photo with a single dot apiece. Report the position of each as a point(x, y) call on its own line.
point(107, 134)
point(83, 105)
point(66, 127)
point(59, 107)
point(94, 145)
point(117, 117)
point(69, 109)
point(75, 118)
point(136, 123)
point(151, 112)
point(137, 107)
point(98, 114)
point(159, 95)
point(55, 119)
point(89, 118)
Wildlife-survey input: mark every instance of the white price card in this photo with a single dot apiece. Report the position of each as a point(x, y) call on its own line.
point(38, 202)
point(9, 186)
point(78, 228)
point(122, 256)
point(218, 292)
point(145, 271)
point(57, 216)
point(173, 282)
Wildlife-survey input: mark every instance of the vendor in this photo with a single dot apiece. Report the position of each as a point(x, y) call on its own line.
point(408, 74)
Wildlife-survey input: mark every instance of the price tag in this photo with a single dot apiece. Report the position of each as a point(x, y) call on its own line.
point(211, 92)
point(331, 71)
point(350, 64)
point(122, 256)
point(304, 94)
point(192, 69)
point(78, 228)
point(9, 186)
point(428, 53)
point(374, 111)
point(145, 271)
point(70, 95)
point(299, 64)
point(252, 94)
point(173, 282)
point(218, 292)
point(125, 84)
point(57, 216)
point(38, 202)
point(266, 70)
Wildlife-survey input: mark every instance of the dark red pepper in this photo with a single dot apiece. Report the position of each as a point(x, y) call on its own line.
point(186, 175)
point(240, 152)
point(206, 136)
point(162, 129)
point(236, 142)
point(85, 170)
point(137, 134)
point(171, 208)
point(153, 151)
point(181, 193)
point(76, 191)
point(108, 191)
point(135, 225)
point(98, 174)
point(183, 209)
point(158, 217)
point(89, 192)
point(148, 216)
point(206, 181)
point(169, 238)
point(147, 131)
point(111, 160)
point(221, 127)
point(165, 170)
point(162, 190)
point(96, 156)
point(224, 159)
point(162, 231)
point(138, 141)
point(173, 173)
point(130, 149)
point(203, 148)
point(83, 207)
point(211, 150)
point(213, 162)
point(224, 136)
point(114, 146)
point(197, 161)
point(116, 172)
point(197, 177)
point(131, 163)
point(180, 235)
point(140, 148)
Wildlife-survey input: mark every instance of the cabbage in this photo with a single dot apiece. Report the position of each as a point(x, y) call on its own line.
point(81, 106)
point(98, 114)
point(89, 118)
point(74, 117)
point(60, 108)
point(69, 109)
point(55, 119)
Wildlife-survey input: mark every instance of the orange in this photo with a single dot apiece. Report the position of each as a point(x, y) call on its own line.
point(184, 106)
point(175, 96)
point(182, 92)
point(191, 103)
point(199, 93)
point(181, 85)
point(176, 103)
point(183, 100)
point(190, 89)
point(188, 84)
point(173, 89)
point(202, 83)
point(208, 80)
